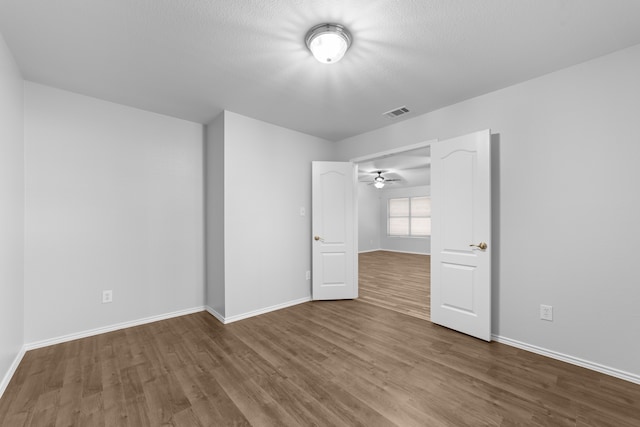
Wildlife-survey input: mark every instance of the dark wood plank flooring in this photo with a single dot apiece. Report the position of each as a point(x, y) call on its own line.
point(396, 281)
point(327, 363)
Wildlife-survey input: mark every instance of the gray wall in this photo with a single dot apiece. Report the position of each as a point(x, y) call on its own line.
point(113, 201)
point(418, 245)
point(214, 216)
point(565, 203)
point(267, 179)
point(368, 218)
point(372, 220)
point(11, 213)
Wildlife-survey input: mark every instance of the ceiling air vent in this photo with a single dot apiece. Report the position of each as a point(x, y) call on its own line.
point(397, 112)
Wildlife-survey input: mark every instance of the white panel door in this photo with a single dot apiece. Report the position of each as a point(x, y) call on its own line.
point(460, 241)
point(335, 258)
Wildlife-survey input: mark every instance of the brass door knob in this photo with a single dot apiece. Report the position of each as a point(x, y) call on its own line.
point(481, 245)
point(316, 238)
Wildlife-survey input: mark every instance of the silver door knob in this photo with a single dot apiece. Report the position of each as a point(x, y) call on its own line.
point(316, 238)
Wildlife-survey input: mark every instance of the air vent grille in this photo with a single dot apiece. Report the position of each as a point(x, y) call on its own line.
point(397, 112)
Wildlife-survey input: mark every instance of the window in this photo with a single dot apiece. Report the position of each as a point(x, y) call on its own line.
point(409, 217)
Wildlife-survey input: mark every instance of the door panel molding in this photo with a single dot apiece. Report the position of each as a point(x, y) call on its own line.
point(334, 231)
point(461, 234)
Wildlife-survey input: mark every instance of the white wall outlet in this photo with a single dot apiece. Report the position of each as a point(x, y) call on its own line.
point(308, 275)
point(107, 296)
point(546, 312)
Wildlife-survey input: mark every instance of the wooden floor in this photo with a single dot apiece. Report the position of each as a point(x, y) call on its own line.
point(396, 281)
point(328, 363)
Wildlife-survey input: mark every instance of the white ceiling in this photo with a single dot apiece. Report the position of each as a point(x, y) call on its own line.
point(410, 169)
point(193, 58)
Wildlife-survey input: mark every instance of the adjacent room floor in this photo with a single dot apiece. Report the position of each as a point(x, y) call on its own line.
point(396, 281)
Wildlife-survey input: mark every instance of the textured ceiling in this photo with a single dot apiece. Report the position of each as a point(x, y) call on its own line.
point(409, 168)
point(193, 58)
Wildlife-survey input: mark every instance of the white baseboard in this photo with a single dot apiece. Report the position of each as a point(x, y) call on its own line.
point(569, 359)
point(369, 250)
point(617, 373)
point(226, 320)
point(110, 328)
point(12, 370)
point(214, 313)
point(405, 252)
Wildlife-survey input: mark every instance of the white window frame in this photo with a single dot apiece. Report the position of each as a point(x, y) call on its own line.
point(409, 216)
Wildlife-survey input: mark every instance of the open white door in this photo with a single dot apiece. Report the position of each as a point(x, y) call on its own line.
point(335, 260)
point(460, 242)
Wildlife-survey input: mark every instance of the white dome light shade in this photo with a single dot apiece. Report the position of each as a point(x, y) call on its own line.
point(379, 184)
point(328, 42)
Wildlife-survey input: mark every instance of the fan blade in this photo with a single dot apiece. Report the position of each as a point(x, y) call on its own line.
point(372, 172)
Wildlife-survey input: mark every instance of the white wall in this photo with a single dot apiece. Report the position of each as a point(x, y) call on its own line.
point(267, 179)
point(417, 245)
point(11, 213)
point(566, 203)
point(114, 200)
point(368, 218)
point(214, 222)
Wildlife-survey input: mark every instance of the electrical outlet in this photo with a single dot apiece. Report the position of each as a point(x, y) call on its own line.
point(107, 296)
point(303, 211)
point(546, 312)
point(308, 275)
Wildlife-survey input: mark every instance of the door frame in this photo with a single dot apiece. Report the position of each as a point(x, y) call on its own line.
point(393, 151)
point(379, 155)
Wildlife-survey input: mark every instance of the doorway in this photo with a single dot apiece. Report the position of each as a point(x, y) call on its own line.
point(394, 258)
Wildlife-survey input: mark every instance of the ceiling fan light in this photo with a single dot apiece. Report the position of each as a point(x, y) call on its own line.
point(328, 42)
point(378, 184)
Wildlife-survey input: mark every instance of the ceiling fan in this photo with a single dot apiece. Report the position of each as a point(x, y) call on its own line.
point(379, 181)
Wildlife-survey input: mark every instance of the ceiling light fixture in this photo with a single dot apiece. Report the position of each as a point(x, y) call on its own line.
point(328, 42)
point(378, 181)
point(379, 184)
